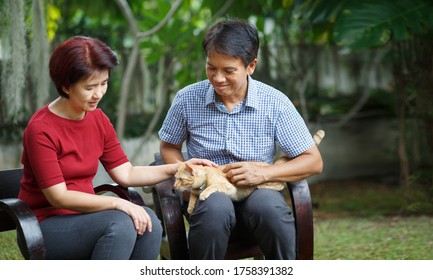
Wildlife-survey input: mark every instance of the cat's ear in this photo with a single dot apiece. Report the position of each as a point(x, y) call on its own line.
point(181, 165)
point(189, 167)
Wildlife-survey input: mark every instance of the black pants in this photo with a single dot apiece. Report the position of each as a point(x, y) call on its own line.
point(263, 216)
point(100, 235)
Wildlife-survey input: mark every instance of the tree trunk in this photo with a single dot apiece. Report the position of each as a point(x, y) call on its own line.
point(133, 58)
point(400, 86)
point(422, 76)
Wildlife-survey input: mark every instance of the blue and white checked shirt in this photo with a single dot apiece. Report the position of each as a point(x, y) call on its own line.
point(250, 132)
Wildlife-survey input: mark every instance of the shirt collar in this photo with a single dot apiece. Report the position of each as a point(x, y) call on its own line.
point(252, 94)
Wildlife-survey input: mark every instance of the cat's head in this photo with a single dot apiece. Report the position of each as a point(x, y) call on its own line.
point(189, 177)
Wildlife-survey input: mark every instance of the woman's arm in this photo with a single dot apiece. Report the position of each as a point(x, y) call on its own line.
point(60, 197)
point(128, 175)
point(246, 174)
point(136, 176)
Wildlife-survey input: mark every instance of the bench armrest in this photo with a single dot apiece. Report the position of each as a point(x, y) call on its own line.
point(303, 212)
point(127, 193)
point(15, 214)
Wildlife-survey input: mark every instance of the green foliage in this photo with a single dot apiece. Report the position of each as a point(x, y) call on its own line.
point(318, 17)
point(179, 41)
point(370, 23)
point(13, 59)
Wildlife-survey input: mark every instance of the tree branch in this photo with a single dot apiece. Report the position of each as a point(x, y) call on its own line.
point(157, 27)
point(365, 91)
point(133, 57)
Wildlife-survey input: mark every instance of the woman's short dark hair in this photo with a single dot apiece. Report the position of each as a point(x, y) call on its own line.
point(233, 37)
point(77, 58)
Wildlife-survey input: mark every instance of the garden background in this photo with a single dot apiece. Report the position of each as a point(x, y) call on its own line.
point(360, 70)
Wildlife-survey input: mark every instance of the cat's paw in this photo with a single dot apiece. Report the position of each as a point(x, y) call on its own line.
point(191, 203)
point(206, 193)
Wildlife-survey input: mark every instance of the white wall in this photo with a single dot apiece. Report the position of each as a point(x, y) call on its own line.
point(365, 148)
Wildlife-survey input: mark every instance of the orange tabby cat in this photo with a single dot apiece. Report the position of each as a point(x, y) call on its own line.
point(202, 181)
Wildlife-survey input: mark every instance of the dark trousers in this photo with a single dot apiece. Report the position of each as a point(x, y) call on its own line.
point(100, 235)
point(263, 216)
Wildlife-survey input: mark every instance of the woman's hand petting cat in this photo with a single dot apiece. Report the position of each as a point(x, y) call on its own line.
point(200, 161)
point(245, 174)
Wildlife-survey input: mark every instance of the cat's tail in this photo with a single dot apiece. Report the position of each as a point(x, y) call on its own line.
point(318, 137)
point(320, 134)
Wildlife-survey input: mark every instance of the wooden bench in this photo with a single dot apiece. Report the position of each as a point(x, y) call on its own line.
point(168, 207)
point(16, 215)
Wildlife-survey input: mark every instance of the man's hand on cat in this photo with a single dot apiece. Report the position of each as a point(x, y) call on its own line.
point(245, 174)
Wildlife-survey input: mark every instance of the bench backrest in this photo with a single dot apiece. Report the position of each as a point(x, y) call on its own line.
point(10, 182)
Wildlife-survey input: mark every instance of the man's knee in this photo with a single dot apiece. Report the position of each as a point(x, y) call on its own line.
point(215, 212)
point(216, 205)
point(269, 216)
point(269, 205)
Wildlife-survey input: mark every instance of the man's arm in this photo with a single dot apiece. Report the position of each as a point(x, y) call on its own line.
point(245, 174)
point(170, 153)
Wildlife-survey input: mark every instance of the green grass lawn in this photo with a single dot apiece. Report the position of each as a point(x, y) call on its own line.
point(377, 238)
point(353, 220)
point(8, 246)
point(360, 220)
